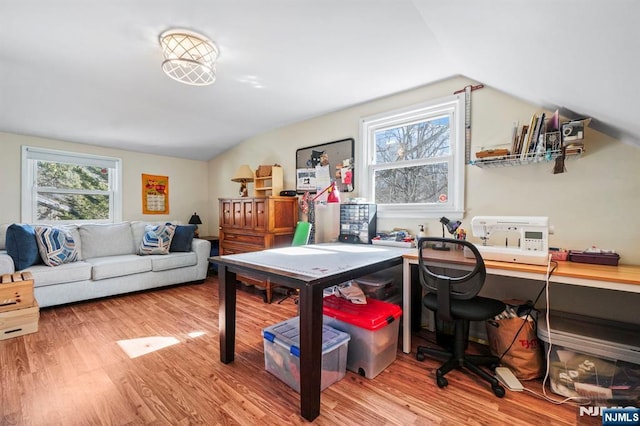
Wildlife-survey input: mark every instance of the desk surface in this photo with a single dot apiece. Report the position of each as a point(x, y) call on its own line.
point(623, 274)
point(621, 278)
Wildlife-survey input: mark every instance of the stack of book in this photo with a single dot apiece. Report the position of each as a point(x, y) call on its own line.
point(541, 134)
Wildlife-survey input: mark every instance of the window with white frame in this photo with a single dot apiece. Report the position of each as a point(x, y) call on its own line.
point(413, 160)
point(59, 186)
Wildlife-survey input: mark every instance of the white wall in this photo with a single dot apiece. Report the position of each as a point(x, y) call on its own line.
point(593, 203)
point(188, 191)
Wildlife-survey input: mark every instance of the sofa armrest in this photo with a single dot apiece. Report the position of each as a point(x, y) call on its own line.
point(6, 263)
point(202, 249)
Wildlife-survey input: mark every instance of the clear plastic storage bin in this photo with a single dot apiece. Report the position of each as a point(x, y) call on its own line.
point(373, 329)
point(592, 357)
point(282, 353)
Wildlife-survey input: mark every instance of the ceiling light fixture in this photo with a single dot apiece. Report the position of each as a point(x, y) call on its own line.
point(189, 57)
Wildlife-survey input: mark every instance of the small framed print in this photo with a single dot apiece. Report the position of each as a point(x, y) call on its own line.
point(155, 194)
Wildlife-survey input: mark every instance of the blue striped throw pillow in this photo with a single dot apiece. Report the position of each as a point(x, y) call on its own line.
point(156, 239)
point(56, 245)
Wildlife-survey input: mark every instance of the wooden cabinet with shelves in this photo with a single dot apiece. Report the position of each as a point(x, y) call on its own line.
point(252, 224)
point(271, 184)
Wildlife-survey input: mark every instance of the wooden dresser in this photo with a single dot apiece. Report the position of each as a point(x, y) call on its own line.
point(252, 224)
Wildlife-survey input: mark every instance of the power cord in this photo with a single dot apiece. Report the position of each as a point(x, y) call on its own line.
point(579, 400)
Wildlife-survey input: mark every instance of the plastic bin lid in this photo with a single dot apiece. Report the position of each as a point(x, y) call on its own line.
point(287, 335)
point(374, 315)
point(377, 279)
point(606, 338)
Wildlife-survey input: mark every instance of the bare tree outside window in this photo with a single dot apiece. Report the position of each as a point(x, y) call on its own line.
point(414, 159)
point(398, 146)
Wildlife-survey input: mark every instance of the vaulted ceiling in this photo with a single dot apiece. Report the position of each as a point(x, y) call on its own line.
point(90, 71)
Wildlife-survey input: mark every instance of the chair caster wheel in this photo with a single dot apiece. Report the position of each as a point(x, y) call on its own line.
point(441, 381)
point(498, 391)
point(420, 356)
point(362, 372)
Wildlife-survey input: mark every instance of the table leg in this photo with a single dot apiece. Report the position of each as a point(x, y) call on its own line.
point(310, 303)
point(406, 306)
point(227, 313)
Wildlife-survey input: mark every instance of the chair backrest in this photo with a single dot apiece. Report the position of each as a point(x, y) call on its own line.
point(302, 233)
point(462, 283)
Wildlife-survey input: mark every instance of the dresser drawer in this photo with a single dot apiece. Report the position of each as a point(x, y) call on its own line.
point(257, 240)
point(235, 247)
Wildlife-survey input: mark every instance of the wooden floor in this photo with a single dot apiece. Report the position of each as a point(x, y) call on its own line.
point(75, 371)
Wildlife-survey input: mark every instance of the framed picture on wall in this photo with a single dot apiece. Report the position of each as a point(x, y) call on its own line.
point(155, 194)
point(319, 165)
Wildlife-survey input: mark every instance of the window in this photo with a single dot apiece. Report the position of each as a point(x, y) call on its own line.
point(66, 186)
point(414, 160)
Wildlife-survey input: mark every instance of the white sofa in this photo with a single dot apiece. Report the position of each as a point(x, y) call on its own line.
point(108, 264)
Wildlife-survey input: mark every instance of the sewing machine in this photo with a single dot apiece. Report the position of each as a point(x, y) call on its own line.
point(526, 238)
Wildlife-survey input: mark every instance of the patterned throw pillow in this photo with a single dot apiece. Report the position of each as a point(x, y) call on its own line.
point(157, 239)
point(56, 245)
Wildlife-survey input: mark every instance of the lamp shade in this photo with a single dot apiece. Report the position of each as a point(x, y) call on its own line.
point(243, 174)
point(195, 219)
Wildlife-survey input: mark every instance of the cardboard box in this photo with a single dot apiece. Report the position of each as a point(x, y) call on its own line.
point(19, 322)
point(16, 291)
point(373, 329)
point(282, 353)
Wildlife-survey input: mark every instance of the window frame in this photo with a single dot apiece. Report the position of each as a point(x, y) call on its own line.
point(31, 155)
point(449, 105)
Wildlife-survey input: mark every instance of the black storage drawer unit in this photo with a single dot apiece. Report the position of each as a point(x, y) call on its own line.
point(357, 223)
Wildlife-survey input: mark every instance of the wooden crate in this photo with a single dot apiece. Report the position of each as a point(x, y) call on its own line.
point(16, 291)
point(19, 321)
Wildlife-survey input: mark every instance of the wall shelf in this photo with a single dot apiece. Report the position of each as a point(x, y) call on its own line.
point(518, 160)
point(269, 185)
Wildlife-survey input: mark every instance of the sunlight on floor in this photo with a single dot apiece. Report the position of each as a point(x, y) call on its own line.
point(145, 345)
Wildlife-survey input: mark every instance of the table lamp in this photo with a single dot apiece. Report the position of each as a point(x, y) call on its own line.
point(195, 220)
point(244, 174)
point(451, 227)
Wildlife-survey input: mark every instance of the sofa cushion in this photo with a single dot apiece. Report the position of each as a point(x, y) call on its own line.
point(157, 239)
point(6, 263)
point(56, 245)
point(22, 246)
point(173, 260)
point(44, 275)
point(118, 266)
point(106, 240)
point(3, 235)
point(182, 238)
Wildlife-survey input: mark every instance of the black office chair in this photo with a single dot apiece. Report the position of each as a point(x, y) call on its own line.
point(453, 298)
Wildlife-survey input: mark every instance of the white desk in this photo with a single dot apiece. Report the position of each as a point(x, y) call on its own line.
point(621, 277)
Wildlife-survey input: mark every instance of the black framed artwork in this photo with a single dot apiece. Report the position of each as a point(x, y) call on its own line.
point(320, 165)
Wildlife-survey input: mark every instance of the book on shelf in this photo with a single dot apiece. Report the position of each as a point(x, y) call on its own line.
point(525, 147)
point(537, 144)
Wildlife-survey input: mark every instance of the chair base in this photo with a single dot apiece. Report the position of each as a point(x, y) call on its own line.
point(457, 358)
